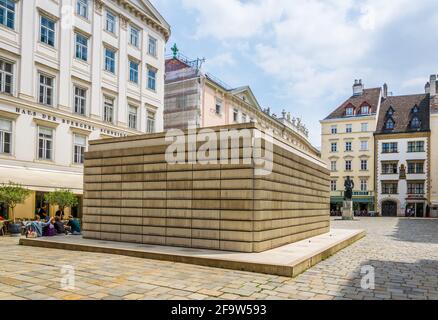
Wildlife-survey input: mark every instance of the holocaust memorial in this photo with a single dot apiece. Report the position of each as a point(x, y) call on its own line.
point(234, 188)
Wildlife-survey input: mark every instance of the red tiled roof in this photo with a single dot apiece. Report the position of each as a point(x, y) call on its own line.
point(369, 96)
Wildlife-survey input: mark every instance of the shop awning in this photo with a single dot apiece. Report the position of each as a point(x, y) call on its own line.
point(42, 180)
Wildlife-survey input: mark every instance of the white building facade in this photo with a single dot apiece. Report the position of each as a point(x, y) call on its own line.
point(72, 71)
point(402, 176)
point(402, 142)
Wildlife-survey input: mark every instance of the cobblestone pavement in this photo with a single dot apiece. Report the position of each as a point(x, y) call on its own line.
point(403, 252)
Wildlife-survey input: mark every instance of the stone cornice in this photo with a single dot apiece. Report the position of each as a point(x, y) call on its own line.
point(155, 24)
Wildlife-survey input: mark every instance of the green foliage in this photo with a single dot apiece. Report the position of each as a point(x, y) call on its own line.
point(62, 198)
point(12, 194)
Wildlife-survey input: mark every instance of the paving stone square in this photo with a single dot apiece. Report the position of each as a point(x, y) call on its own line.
point(403, 254)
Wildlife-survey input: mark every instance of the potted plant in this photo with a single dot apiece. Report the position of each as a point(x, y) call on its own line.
point(62, 198)
point(12, 194)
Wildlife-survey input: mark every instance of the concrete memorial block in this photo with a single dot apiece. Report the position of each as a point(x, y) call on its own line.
point(252, 195)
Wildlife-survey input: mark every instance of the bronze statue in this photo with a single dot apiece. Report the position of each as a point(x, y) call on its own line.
point(349, 185)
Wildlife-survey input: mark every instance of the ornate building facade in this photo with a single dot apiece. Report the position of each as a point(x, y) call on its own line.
point(72, 71)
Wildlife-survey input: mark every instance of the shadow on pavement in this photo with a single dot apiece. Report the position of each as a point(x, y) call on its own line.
point(417, 230)
point(394, 280)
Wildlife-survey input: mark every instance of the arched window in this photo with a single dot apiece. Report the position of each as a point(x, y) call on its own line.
point(415, 109)
point(416, 123)
point(389, 124)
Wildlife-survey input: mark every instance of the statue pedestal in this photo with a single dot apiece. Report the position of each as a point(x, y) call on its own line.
point(347, 210)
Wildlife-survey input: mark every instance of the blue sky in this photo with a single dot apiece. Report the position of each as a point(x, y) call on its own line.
point(303, 55)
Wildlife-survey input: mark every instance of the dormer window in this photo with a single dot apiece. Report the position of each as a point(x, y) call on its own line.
point(415, 109)
point(390, 112)
point(389, 125)
point(349, 111)
point(415, 123)
point(365, 109)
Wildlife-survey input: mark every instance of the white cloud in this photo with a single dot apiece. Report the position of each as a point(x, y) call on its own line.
point(221, 60)
point(314, 49)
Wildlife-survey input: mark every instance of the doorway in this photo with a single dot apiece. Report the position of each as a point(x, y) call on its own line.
point(389, 209)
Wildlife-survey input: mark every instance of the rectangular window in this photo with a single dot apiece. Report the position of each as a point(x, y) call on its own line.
point(389, 168)
point(349, 128)
point(80, 100)
point(333, 185)
point(348, 165)
point(110, 60)
point(110, 22)
point(334, 147)
point(244, 117)
point(133, 71)
point(218, 108)
point(152, 47)
point(79, 146)
point(47, 31)
point(81, 47)
point(364, 145)
point(5, 136)
point(45, 143)
point(390, 147)
point(348, 146)
point(152, 79)
point(333, 166)
point(364, 165)
point(416, 188)
point(134, 37)
point(46, 90)
point(364, 127)
point(363, 185)
point(108, 110)
point(82, 8)
point(389, 187)
point(416, 146)
point(236, 115)
point(415, 167)
point(132, 117)
point(7, 13)
point(349, 112)
point(150, 124)
point(334, 129)
point(6, 76)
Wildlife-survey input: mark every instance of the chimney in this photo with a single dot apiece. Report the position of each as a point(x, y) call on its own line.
point(427, 88)
point(357, 88)
point(385, 91)
point(433, 85)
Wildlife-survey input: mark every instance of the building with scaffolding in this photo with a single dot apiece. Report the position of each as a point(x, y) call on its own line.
point(194, 98)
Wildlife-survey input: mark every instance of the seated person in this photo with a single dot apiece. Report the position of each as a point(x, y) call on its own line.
point(59, 225)
point(73, 226)
point(49, 230)
point(42, 212)
point(60, 214)
point(37, 225)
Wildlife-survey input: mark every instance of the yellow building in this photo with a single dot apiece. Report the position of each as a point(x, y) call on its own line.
point(348, 146)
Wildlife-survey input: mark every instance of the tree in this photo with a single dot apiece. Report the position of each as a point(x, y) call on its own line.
point(12, 194)
point(62, 198)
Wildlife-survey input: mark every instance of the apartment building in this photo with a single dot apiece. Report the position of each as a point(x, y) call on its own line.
point(402, 148)
point(199, 99)
point(347, 146)
point(72, 71)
